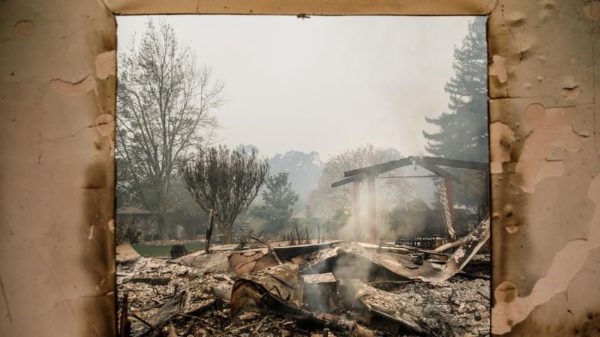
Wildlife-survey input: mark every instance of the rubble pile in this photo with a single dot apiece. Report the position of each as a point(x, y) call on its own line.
point(459, 307)
point(315, 289)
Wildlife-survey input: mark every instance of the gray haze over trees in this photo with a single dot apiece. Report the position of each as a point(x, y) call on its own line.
point(463, 128)
point(303, 169)
point(163, 102)
point(310, 99)
point(326, 200)
point(324, 84)
point(279, 199)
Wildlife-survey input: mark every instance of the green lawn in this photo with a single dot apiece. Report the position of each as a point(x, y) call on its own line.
point(164, 251)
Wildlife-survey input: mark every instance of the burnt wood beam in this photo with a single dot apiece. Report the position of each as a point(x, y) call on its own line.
point(379, 168)
point(471, 165)
point(438, 170)
point(348, 180)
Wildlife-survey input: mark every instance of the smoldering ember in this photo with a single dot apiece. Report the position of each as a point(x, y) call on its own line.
point(307, 286)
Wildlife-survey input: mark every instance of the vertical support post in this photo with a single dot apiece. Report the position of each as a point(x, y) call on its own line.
point(450, 198)
point(373, 235)
point(209, 230)
point(356, 208)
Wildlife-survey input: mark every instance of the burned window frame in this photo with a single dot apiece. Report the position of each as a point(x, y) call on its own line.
point(520, 100)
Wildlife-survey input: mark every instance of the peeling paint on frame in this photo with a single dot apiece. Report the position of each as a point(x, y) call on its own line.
point(57, 100)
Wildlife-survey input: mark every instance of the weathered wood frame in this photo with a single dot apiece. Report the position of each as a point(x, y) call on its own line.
point(58, 77)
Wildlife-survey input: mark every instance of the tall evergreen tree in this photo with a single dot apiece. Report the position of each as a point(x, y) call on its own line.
point(463, 132)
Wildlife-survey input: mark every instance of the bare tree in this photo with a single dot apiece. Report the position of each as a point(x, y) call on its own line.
point(225, 181)
point(163, 105)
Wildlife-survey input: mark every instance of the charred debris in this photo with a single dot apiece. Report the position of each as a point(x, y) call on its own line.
point(331, 288)
point(304, 287)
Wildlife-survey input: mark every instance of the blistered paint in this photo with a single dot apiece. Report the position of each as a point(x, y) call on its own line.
point(106, 64)
point(501, 138)
point(510, 310)
point(498, 68)
point(546, 128)
point(23, 28)
point(56, 168)
point(592, 10)
point(550, 183)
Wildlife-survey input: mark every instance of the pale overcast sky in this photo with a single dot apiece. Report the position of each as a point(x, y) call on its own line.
point(324, 84)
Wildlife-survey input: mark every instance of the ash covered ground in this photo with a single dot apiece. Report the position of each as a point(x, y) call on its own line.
point(332, 289)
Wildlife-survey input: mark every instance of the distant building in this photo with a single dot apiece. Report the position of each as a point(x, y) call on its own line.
point(138, 219)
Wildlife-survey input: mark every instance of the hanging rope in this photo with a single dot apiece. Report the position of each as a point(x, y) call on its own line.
point(443, 193)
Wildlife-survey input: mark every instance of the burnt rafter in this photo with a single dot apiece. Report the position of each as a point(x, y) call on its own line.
point(465, 164)
point(349, 180)
point(438, 171)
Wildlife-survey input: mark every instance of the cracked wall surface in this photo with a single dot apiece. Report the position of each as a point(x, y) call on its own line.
point(57, 101)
